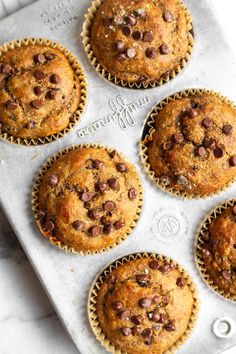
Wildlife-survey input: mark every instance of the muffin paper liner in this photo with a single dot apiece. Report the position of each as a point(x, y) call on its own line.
point(78, 72)
point(36, 207)
point(150, 122)
point(214, 213)
point(93, 293)
point(85, 34)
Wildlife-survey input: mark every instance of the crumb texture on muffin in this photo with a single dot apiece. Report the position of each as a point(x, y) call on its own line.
point(89, 199)
point(39, 92)
point(145, 306)
point(218, 251)
point(193, 147)
point(140, 40)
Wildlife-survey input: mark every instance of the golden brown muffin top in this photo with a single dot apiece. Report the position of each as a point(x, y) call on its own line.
point(39, 92)
point(89, 199)
point(140, 40)
point(193, 150)
point(145, 306)
point(219, 250)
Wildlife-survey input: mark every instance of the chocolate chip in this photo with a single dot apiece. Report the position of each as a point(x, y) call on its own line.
point(140, 13)
point(227, 129)
point(234, 210)
point(167, 180)
point(107, 229)
point(95, 230)
point(118, 224)
point(147, 332)
point(192, 113)
point(232, 161)
point(137, 320)
point(36, 103)
point(130, 53)
point(110, 279)
point(143, 279)
point(133, 193)
point(101, 187)
point(200, 151)
point(166, 268)
point(205, 253)
point(153, 264)
point(30, 125)
point(11, 105)
point(126, 30)
point(117, 305)
point(53, 181)
point(178, 138)
point(167, 15)
point(86, 196)
point(39, 59)
point(79, 225)
point(226, 275)
point(121, 56)
point(97, 164)
point(55, 79)
point(181, 282)
point(124, 315)
point(162, 318)
point(154, 316)
point(49, 226)
point(109, 205)
point(50, 95)
point(136, 331)
point(170, 326)
point(182, 180)
point(164, 49)
point(130, 20)
point(39, 75)
point(93, 214)
point(209, 144)
point(38, 90)
point(121, 167)
point(207, 123)
point(137, 35)
point(113, 183)
point(117, 20)
point(40, 214)
point(6, 68)
point(147, 36)
point(206, 236)
point(151, 53)
point(49, 55)
point(218, 152)
point(148, 341)
point(112, 154)
point(120, 46)
point(145, 302)
point(125, 331)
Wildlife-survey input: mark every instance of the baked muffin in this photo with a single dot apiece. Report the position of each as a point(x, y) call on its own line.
point(39, 91)
point(89, 199)
point(145, 305)
point(218, 251)
point(141, 41)
point(193, 148)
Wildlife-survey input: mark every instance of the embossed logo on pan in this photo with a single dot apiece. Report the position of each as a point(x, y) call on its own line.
point(168, 225)
point(59, 15)
point(122, 114)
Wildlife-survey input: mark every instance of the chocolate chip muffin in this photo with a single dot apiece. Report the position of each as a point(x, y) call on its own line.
point(218, 251)
point(144, 305)
point(39, 91)
point(88, 199)
point(192, 148)
point(141, 41)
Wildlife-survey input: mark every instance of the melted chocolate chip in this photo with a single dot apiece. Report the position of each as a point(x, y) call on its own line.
point(226, 275)
point(97, 164)
point(137, 35)
point(154, 264)
point(136, 331)
point(38, 90)
point(218, 152)
point(209, 144)
point(192, 113)
point(113, 183)
point(207, 123)
point(117, 305)
point(101, 187)
point(107, 229)
point(93, 214)
point(205, 253)
point(143, 279)
point(154, 316)
point(95, 230)
point(11, 105)
point(137, 320)
point(109, 205)
point(119, 224)
point(125, 331)
point(126, 30)
point(86, 196)
point(166, 267)
point(50, 95)
point(112, 154)
point(170, 326)
point(178, 138)
point(167, 16)
point(6, 68)
point(227, 129)
point(147, 332)
point(124, 315)
point(133, 193)
point(121, 167)
point(181, 282)
point(151, 53)
point(145, 302)
point(232, 161)
point(130, 20)
point(206, 236)
point(147, 36)
point(39, 58)
point(156, 299)
point(164, 49)
point(110, 279)
point(79, 225)
point(39, 75)
point(200, 151)
point(49, 55)
point(55, 79)
point(36, 104)
point(30, 125)
point(53, 181)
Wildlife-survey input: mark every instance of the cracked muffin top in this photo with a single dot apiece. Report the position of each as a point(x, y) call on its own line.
point(39, 92)
point(219, 251)
point(145, 306)
point(89, 199)
point(193, 148)
point(140, 40)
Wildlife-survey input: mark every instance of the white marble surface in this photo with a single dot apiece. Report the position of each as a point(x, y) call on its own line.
point(28, 324)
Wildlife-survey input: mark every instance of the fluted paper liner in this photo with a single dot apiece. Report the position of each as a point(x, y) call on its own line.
point(35, 202)
point(78, 72)
point(150, 122)
point(89, 17)
point(92, 300)
point(214, 213)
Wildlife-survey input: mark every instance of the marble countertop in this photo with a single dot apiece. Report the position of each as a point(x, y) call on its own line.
point(28, 323)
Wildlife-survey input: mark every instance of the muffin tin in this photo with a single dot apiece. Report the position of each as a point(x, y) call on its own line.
point(116, 117)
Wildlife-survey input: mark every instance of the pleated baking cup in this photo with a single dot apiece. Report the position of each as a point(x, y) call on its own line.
point(214, 213)
point(86, 40)
point(79, 77)
point(149, 131)
point(36, 205)
point(94, 290)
